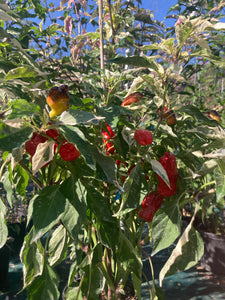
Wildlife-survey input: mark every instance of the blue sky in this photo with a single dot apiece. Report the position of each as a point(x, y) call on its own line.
point(159, 6)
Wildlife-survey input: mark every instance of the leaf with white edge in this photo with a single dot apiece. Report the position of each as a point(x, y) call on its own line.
point(166, 226)
point(48, 208)
point(216, 154)
point(44, 286)
point(3, 226)
point(135, 85)
point(217, 26)
point(58, 245)
point(32, 257)
point(207, 167)
point(7, 187)
point(216, 60)
point(186, 254)
point(74, 117)
point(76, 206)
point(43, 155)
point(158, 168)
point(209, 132)
point(16, 123)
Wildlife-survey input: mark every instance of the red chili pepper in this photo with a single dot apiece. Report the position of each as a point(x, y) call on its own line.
point(53, 133)
point(168, 161)
point(143, 137)
point(132, 98)
point(109, 134)
point(68, 152)
point(32, 144)
point(150, 205)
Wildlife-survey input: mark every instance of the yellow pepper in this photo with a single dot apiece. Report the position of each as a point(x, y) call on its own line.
point(213, 114)
point(58, 100)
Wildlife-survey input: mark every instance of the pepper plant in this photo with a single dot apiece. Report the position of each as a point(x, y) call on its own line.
point(107, 162)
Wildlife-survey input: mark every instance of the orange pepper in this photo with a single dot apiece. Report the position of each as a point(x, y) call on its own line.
point(58, 100)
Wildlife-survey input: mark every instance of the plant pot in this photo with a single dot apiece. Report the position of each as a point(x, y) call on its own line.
point(213, 259)
point(4, 268)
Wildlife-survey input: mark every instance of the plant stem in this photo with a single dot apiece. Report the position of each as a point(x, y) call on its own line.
point(100, 6)
point(109, 269)
point(111, 21)
point(34, 179)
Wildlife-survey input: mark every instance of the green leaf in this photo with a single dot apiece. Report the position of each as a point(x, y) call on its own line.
point(94, 281)
point(166, 226)
point(14, 139)
point(3, 225)
point(209, 132)
point(20, 179)
point(136, 61)
point(76, 136)
point(108, 225)
point(137, 282)
point(207, 167)
point(39, 10)
point(48, 208)
point(74, 117)
point(112, 112)
point(131, 192)
point(195, 112)
point(58, 245)
point(106, 165)
point(204, 53)
point(73, 293)
point(220, 182)
point(7, 187)
point(44, 286)
point(75, 208)
point(21, 108)
point(190, 160)
point(22, 72)
point(128, 257)
point(186, 254)
point(32, 256)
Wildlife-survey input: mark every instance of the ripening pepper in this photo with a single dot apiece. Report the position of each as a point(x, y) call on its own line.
point(132, 98)
point(213, 114)
point(109, 134)
point(58, 100)
point(170, 117)
point(150, 205)
point(143, 137)
point(168, 161)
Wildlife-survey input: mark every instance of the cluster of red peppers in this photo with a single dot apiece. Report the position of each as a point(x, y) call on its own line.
point(153, 200)
point(67, 151)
